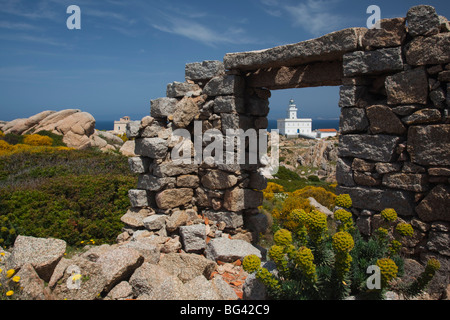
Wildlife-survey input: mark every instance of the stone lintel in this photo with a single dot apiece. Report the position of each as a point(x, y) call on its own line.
point(316, 74)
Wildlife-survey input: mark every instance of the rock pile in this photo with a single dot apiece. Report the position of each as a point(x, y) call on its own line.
point(202, 202)
point(76, 127)
point(134, 269)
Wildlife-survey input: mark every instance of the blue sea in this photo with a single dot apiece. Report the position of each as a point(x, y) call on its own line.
point(104, 125)
point(316, 124)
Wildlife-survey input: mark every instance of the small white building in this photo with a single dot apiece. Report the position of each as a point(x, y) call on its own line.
point(325, 133)
point(293, 126)
point(121, 125)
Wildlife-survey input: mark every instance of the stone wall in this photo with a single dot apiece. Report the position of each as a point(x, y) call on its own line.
point(394, 147)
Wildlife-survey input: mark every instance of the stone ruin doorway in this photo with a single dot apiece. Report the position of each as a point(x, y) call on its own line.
point(394, 145)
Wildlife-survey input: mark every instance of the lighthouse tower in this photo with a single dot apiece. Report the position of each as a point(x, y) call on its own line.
point(292, 110)
point(293, 126)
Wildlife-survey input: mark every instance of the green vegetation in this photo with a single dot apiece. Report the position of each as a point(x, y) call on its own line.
point(74, 195)
point(320, 257)
point(291, 181)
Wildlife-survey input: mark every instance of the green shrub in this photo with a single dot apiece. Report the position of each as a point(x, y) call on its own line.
point(315, 262)
point(13, 139)
point(68, 194)
point(286, 174)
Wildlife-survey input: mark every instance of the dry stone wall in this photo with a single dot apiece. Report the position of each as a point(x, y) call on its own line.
point(394, 145)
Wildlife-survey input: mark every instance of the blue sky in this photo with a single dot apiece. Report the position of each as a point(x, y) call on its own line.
point(127, 51)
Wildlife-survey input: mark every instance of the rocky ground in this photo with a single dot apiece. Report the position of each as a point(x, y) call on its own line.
point(310, 157)
point(145, 267)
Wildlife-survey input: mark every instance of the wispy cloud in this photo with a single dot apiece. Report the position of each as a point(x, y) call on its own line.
point(18, 26)
point(34, 39)
point(203, 33)
point(314, 16)
point(31, 10)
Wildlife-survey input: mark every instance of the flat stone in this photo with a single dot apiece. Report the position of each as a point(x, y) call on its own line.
point(438, 242)
point(423, 116)
point(428, 50)
point(407, 87)
point(344, 172)
point(155, 148)
point(429, 145)
point(172, 198)
point(392, 33)
point(155, 222)
point(193, 237)
point(138, 198)
point(118, 265)
point(174, 168)
point(225, 85)
point(139, 164)
point(365, 179)
point(373, 62)
point(353, 120)
point(188, 181)
point(233, 220)
point(404, 110)
point(230, 121)
point(177, 219)
point(326, 48)
point(152, 183)
point(204, 70)
point(350, 96)
point(186, 110)
point(437, 96)
point(149, 251)
point(439, 172)
point(228, 250)
point(153, 282)
point(436, 205)
point(217, 180)
point(180, 89)
point(187, 266)
point(422, 20)
point(383, 120)
point(42, 253)
point(201, 289)
point(379, 199)
point(134, 217)
point(228, 104)
point(162, 107)
point(406, 181)
point(132, 129)
point(328, 73)
point(383, 168)
point(370, 147)
point(31, 286)
point(238, 199)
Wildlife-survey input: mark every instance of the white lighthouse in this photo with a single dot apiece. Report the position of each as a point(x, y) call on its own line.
point(293, 126)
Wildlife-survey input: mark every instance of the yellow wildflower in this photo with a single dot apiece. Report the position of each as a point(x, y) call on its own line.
point(10, 273)
point(16, 279)
point(9, 293)
point(76, 277)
